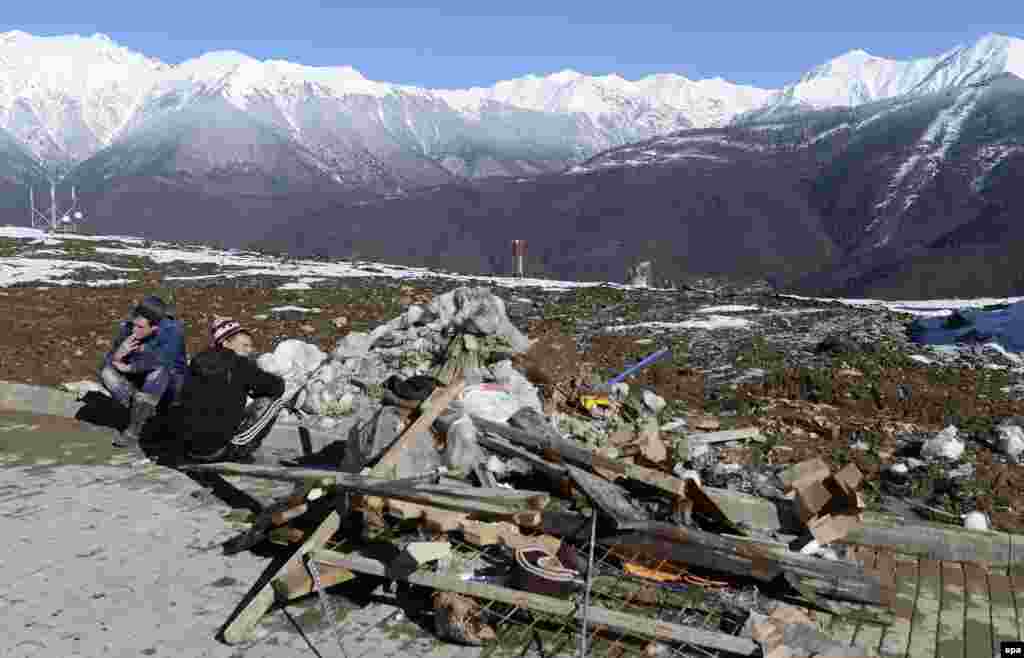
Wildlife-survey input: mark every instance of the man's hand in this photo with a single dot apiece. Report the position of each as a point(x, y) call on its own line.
point(129, 345)
point(120, 365)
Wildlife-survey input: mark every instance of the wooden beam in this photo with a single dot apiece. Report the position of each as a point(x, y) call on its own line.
point(241, 624)
point(540, 444)
point(298, 582)
point(494, 443)
point(634, 625)
point(568, 450)
point(724, 436)
point(608, 498)
point(757, 559)
point(935, 541)
point(498, 502)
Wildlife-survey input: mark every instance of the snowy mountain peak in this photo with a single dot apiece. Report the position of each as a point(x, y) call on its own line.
point(64, 97)
point(565, 75)
point(857, 77)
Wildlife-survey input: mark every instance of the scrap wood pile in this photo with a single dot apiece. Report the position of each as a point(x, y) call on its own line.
point(460, 481)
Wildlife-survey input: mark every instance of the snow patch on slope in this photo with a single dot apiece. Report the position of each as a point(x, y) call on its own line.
point(924, 163)
point(989, 157)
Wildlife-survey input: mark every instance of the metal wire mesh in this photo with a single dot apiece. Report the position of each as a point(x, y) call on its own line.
point(619, 585)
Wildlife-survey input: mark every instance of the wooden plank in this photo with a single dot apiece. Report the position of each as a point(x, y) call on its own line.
point(551, 446)
point(633, 625)
point(1004, 612)
point(936, 541)
point(499, 445)
point(302, 476)
point(977, 619)
point(762, 560)
point(609, 498)
point(723, 436)
point(299, 582)
point(951, 616)
point(242, 623)
point(896, 638)
point(497, 502)
point(924, 625)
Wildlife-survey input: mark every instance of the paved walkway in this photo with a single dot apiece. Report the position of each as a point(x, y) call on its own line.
point(106, 558)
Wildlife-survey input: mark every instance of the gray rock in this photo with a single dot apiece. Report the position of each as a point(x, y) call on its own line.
point(1010, 440)
point(368, 440)
point(462, 452)
point(476, 311)
point(976, 521)
point(963, 472)
point(914, 464)
point(944, 445)
point(353, 345)
point(370, 371)
point(654, 402)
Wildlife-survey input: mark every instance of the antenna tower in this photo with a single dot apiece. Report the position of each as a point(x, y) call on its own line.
point(55, 221)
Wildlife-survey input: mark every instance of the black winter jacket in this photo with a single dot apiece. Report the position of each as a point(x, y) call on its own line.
point(213, 399)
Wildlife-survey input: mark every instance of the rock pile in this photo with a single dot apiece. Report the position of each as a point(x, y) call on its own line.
point(349, 383)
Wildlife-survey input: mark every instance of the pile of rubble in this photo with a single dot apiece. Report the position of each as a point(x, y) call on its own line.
point(494, 490)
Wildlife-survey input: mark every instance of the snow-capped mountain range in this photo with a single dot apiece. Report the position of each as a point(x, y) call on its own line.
point(68, 99)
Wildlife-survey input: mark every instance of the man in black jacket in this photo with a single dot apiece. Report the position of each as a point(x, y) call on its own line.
point(214, 420)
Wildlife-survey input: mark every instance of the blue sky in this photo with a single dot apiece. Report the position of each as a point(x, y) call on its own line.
point(460, 44)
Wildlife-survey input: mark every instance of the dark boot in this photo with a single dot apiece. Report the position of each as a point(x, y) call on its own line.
point(143, 408)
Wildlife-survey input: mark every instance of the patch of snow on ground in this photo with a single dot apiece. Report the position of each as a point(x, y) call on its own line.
point(916, 307)
point(921, 359)
point(103, 283)
point(40, 270)
point(27, 233)
point(1010, 356)
point(712, 322)
point(301, 309)
point(799, 311)
point(728, 308)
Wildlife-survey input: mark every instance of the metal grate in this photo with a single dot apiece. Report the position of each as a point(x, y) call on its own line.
point(688, 601)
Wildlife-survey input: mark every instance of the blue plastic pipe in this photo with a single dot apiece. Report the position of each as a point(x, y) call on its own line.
point(648, 360)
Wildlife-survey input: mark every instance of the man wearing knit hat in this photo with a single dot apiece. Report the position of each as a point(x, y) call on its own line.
point(145, 369)
point(215, 424)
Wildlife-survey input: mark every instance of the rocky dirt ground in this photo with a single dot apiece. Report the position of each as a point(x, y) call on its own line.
point(864, 400)
point(819, 378)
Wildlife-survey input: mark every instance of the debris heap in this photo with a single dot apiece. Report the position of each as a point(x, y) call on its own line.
point(488, 496)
